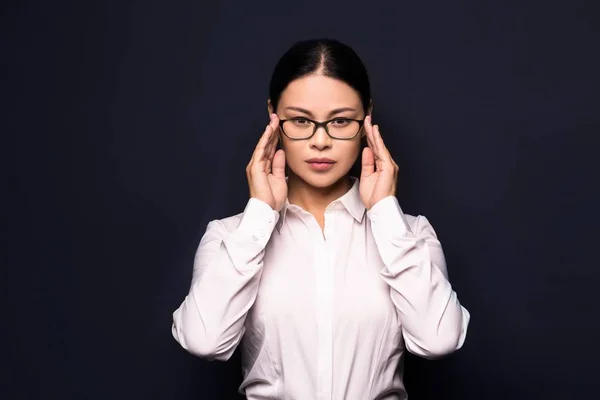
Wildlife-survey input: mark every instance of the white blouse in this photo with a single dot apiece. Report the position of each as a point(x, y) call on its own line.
point(321, 315)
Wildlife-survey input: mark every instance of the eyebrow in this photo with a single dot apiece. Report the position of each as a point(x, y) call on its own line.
point(331, 113)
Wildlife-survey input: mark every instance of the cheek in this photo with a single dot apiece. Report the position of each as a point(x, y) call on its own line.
point(288, 147)
point(353, 151)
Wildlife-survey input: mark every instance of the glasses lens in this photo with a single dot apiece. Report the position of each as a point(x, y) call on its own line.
point(343, 128)
point(298, 128)
point(339, 128)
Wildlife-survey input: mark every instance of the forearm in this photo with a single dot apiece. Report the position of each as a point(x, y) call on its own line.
point(227, 271)
point(434, 322)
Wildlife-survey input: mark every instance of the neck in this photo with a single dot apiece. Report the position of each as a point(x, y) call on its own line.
point(314, 199)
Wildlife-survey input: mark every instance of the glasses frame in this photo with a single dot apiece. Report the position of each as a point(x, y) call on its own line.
point(323, 124)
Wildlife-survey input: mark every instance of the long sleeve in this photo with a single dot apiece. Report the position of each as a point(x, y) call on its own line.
point(434, 323)
point(226, 274)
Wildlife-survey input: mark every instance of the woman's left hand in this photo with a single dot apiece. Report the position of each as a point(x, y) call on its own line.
point(379, 172)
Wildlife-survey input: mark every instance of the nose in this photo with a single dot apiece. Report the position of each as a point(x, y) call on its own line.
point(320, 140)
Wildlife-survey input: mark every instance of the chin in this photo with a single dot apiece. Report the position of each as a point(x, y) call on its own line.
point(323, 179)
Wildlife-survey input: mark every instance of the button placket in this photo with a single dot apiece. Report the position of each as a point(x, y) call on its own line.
point(325, 301)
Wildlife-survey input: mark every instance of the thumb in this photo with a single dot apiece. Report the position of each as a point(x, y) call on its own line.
point(278, 167)
point(368, 163)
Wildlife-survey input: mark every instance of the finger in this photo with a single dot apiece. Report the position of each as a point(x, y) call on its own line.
point(259, 151)
point(369, 131)
point(278, 166)
point(275, 138)
point(274, 121)
point(272, 145)
point(382, 151)
point(368, 163)
point(385, 162)
point(261, 147)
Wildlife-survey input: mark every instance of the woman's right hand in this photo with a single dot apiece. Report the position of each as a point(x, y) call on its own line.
point(266, 169)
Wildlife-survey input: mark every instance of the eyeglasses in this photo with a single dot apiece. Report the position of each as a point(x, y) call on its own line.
point(302, 128)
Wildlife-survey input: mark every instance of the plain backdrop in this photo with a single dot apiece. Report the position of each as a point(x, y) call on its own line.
point(127, 126)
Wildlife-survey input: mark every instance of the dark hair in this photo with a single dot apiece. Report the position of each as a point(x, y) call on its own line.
point(328, 57)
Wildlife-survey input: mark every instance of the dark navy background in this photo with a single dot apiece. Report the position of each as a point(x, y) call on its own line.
point(127, 126)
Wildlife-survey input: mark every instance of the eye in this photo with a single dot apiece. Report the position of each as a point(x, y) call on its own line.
point(301, 121)
point(340, 122)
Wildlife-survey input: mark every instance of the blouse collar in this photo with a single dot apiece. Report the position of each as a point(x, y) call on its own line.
point(350, 201)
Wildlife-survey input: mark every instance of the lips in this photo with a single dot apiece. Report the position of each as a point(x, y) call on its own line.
point(321, 164)
point(320, 161)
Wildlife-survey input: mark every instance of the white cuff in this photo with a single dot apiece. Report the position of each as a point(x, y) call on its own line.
point(251, 236)
point(258, 221)
point(388, 219)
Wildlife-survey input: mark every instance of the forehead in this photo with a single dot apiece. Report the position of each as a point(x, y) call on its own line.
point(317, 92)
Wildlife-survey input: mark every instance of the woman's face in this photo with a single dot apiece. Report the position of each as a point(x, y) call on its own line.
point(320, 98)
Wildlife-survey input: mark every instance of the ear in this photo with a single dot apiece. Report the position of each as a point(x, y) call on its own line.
point(270, 107)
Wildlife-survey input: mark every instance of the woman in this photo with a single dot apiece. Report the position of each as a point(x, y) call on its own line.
point(323, 279)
